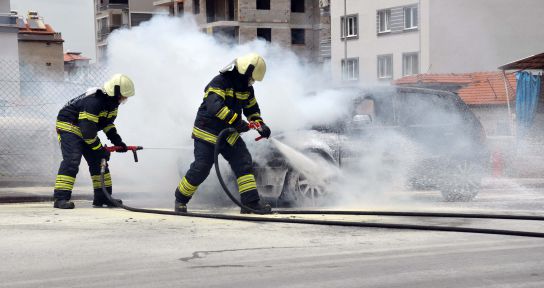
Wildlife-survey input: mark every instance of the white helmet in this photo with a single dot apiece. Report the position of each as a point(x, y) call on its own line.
point(252, 64)
point(126, 86)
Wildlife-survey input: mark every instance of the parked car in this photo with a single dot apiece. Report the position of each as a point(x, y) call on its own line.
point(445, 142)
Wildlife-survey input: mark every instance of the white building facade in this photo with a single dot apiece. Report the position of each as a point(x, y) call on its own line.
point(389, 39)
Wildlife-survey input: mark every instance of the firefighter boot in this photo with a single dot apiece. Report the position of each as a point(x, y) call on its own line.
point(180, 207)
point(63, 204)
point(256, 205)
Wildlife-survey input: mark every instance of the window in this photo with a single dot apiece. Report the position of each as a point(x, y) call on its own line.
point(384, 17)
point(263, 4)
point(297, 6)
point(297, 36)
point(352, 28)
point(350, 71)
point(265, 33)
point(410, 63)
point(137, 18)
point(385, 66)
point(196, 7)
point(410, 17)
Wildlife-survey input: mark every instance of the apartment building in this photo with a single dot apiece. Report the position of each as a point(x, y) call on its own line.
point(296, 24)
point(115, 14)
point(379, 41)
point(8, 32)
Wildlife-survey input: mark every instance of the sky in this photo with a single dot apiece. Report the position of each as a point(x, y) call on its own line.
point(73, 18)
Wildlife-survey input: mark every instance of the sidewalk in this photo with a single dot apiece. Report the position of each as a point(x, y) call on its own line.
point(39, 194)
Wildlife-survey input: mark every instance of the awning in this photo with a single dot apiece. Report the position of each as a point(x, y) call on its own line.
point(531, 62)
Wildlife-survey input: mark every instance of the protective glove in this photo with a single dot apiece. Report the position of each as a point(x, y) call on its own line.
point(264, 131)
point(105, 154)
point(242, 126)
point(122, 147)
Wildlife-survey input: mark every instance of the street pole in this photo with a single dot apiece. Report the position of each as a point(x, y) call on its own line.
point(345, 69)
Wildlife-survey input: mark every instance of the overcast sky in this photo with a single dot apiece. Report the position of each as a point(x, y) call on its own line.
point(73, 18)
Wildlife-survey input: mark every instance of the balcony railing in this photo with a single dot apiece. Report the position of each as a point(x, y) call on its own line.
point(106, 31)
point(8, 20)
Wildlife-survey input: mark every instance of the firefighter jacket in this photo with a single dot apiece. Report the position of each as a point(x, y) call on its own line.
point(225, 98)
point(89, 113)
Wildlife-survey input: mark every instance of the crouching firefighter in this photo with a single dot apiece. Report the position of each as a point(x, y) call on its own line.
point(78, 123)
point(225, 97)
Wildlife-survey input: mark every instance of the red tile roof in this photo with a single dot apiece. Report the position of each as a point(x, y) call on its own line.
point(69, 57)
point(479, 88)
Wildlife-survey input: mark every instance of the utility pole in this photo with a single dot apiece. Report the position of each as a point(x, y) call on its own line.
point(345, 30)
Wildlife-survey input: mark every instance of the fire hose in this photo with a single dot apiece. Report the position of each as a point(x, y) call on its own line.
point(227, 131)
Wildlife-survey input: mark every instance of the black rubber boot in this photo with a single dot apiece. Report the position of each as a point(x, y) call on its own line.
point(256, 205)
point(180, 207)
point(63, 204)
point(99, 203)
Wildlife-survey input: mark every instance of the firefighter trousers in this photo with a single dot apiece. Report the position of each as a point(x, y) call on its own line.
point(239, 160)
point(73, 147)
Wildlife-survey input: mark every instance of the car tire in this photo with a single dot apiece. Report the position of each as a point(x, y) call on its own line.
point(461, 181)
point(298, 191)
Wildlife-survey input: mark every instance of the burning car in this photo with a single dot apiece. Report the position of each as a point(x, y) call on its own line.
point(433, 134)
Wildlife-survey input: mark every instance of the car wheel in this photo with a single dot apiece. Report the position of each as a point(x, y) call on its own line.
point(461, 181)
point(299, 191)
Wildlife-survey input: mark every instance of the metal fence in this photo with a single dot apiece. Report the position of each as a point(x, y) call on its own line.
point(30, 97)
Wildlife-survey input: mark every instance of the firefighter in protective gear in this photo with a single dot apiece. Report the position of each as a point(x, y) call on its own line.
point(78, 123)
point(225, 98)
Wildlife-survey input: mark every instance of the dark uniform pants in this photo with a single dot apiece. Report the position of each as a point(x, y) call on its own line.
point(73, 147)
point(240, 161)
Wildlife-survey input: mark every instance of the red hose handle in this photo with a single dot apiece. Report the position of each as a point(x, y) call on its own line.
point(129, 148)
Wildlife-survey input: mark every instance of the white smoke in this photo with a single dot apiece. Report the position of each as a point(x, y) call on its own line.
point(171, 62)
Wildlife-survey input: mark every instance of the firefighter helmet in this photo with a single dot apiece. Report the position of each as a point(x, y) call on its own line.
point(251, 65)
point(124, 84)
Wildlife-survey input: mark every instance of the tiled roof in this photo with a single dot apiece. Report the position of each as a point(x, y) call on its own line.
point(69, 57)
point(479, 88)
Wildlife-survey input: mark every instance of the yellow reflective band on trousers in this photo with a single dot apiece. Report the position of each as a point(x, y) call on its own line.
point(68, 127)
point(246, 183)
point(186, 188)
point(108, 128)
point(211, 138)
point(88, 116)
point(251, 102)
point(64, 182)
point(96, 181)
point(223, 113)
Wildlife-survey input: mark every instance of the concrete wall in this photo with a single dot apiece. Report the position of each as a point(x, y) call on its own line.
point(480, 35)
point(41, 53)
point(368, 45)
point(137, 6)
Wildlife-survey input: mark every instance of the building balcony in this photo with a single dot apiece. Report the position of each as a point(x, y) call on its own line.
point(106, 31)
point(8, 20)
point(112, 4)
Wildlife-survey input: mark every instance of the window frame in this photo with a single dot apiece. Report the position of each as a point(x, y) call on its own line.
point(405, 62)
point(269, 31)
point(346, 76)
point(411, 10)
point(354, 26)
point(386, 59)
point(387, 14)
point(293, 30)
point(196, 7)
point(294, 6)
point(266, 4)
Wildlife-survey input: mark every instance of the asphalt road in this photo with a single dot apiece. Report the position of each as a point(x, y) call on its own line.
point(86, 247)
